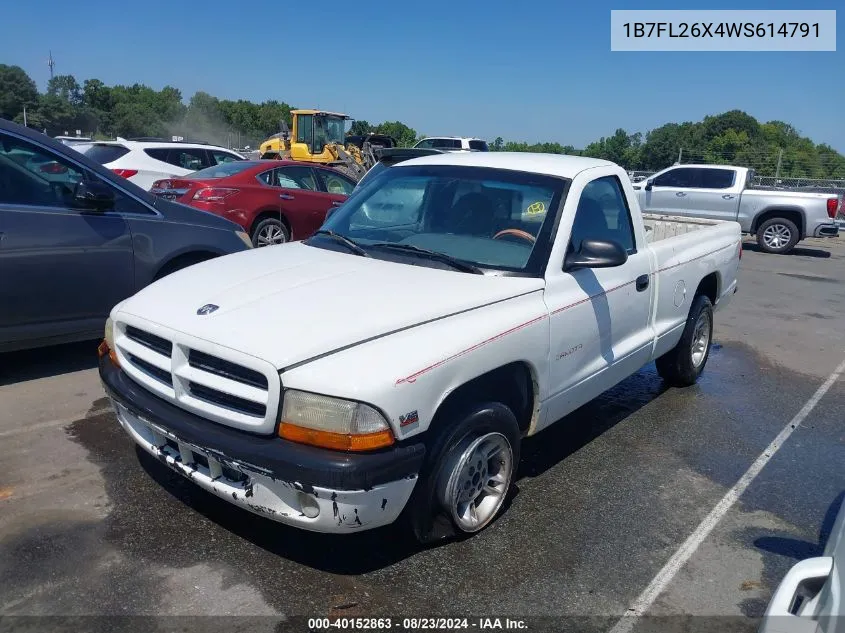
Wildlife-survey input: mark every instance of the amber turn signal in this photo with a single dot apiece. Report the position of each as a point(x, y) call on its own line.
point(103, 349)
point(336, 441)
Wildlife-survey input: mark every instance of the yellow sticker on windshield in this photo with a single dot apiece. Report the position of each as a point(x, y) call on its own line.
point(535, 208)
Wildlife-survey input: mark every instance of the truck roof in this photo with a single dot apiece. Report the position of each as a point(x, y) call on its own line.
point(559, 165)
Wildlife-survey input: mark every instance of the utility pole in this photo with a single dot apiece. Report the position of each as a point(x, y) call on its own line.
point(51, 64)
point(680, 154)
point(24, 115)
point(780, 158)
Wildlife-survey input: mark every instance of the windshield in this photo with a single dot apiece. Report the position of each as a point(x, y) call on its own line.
point(329, 130)
point(223, 170)
point(495, 219)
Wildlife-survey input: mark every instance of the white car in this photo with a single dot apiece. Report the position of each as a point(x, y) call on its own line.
point(454, 143)
point(144, 162)
point(391, 364)
point(809, 598)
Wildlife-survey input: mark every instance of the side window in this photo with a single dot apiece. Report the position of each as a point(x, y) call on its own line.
point(681, 177)
point(335, 183)
point(305, 129)
point(481, 146)
point(603, 214)
point(33, 176)
point(717, 178)
point(188, 158)
point(295, 178)
point(219, 157)
point(427, 143)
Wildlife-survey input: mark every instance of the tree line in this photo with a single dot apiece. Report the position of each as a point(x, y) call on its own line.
point(136, 110)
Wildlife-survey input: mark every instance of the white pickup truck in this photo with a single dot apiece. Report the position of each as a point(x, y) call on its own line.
point(389, 366)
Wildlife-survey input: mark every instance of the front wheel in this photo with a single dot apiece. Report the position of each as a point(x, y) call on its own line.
point(777, 235)
point(682, 365)
point(468, 474)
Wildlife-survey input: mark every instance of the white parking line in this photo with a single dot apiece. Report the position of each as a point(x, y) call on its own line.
point(688, 548)
point(30, 428)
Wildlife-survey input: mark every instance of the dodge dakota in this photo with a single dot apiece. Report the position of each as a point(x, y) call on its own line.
point(778, 218)
point(388, 367)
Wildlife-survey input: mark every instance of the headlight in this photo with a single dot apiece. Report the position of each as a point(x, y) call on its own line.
point(109, 334)
point(107, 346)
point(244, 238)
point(334, 423)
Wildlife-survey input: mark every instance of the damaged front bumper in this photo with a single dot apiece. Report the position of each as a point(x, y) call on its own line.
point(311, 488)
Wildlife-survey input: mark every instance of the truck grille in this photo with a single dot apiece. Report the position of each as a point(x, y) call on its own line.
point(205, 383)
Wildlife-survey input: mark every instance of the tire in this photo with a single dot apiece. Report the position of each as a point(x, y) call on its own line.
point(682, 365)
point(450, 468)
point(778, 235)
point(269, 232)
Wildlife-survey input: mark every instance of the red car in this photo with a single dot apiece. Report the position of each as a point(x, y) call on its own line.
point(275, 201)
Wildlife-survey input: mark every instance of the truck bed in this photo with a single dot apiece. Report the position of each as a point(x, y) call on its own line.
point(661, 227)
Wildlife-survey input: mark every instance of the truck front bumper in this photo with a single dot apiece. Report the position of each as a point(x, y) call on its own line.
point(827, 230)
point(312, 488)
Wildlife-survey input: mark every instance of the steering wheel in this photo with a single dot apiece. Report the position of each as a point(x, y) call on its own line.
point(516, 233)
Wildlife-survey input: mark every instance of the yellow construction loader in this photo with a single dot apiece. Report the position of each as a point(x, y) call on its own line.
point(320, 137)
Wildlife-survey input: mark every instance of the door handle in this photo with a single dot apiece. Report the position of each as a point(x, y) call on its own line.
point(642, 283)
point(336, 203)
point(285, 196)
point(727, 196)
point(680, 194)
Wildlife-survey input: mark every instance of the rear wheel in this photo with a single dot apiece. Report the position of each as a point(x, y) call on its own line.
point(682, 365)
point(777, 235)
point(270, 231)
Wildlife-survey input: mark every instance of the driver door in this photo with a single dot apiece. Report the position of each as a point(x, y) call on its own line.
point(599, 317)
point(62, 266)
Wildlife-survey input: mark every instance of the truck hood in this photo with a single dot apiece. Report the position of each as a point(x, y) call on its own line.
point(290, 303)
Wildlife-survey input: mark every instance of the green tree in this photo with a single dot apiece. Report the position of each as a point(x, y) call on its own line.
point(66, 88)
point(17, 90)
point(404, 135)
point(360, 128)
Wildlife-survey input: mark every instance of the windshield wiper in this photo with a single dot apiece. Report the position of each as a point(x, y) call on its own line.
point(457, 264)
point(345, 241)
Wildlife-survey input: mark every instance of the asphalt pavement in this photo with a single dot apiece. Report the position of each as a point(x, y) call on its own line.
point(89, 526)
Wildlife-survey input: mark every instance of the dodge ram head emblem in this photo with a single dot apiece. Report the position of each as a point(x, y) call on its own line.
point(208, 308)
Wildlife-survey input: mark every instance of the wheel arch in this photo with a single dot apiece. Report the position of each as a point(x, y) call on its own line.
point(794, 214)
point(515, 384)
point(270, 213)
point(710, 286)
point(183, 260)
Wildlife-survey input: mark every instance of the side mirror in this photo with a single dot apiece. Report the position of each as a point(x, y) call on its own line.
point(649, 184)
point(596, 254)
point(94, 195)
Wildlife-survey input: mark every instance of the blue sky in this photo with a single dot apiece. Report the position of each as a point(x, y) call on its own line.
point(530, 70)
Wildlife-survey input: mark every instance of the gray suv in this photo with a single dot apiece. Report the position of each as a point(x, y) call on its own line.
point(76, 239)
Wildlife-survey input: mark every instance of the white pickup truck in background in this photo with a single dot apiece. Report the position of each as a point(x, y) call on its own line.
point(389, 366)
point(779, 218)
